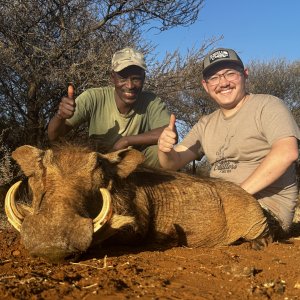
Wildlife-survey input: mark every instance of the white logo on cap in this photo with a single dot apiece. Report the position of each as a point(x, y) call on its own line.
point(218, 54)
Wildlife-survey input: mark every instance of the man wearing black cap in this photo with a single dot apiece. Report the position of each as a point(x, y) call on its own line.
point(250, 140)
point(118, 116)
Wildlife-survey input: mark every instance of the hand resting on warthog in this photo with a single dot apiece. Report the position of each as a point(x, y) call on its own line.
point(80, 197)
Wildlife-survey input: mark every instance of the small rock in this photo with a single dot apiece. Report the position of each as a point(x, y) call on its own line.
point(16, 253)
point(240, 271)
point(297, 285)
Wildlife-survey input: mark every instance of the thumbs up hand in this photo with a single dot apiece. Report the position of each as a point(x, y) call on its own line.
point(168, 137)
point(67, 105)
point(71, 91)
point(172, 123)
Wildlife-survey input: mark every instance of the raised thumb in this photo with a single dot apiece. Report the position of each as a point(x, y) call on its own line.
point(172, 122)
point(71, 91)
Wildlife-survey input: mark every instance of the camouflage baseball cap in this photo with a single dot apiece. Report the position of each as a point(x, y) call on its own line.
point(218, 56)
point(127, 57)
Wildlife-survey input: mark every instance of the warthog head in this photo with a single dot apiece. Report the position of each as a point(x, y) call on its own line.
point(70, 198)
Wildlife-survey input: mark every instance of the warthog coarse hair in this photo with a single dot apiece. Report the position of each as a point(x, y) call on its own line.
point(80, 197)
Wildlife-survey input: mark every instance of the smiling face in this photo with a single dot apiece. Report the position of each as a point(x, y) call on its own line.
point(128, 85)
point(226, 85)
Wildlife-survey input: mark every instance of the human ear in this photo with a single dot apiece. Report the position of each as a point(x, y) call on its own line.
point(204, 83)
point(112, 77)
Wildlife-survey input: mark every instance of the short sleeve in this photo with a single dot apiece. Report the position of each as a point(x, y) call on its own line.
point(277, 121)
point(158, 114)
point(192, 140)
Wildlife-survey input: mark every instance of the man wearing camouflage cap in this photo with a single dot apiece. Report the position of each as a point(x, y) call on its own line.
point(250, 140)
point(118, 116)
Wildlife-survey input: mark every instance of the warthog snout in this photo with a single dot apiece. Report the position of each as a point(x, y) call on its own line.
point(52, 241)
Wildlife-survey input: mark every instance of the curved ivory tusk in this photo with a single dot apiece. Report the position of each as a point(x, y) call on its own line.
point(106, 211)
point(14, 216)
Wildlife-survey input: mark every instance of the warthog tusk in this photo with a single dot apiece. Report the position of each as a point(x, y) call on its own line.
point(106, 211)
point(14, 216)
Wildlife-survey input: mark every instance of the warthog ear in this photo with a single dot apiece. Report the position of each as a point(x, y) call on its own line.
point(29, 159)
point(125, 160)
point(48, 157)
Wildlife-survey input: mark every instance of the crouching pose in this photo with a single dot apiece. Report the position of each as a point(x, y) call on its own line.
point(250, 140)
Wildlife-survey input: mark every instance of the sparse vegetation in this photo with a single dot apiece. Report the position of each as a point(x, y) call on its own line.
point(43, 47)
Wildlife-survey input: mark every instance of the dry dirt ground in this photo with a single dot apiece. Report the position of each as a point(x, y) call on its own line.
point(233, 272)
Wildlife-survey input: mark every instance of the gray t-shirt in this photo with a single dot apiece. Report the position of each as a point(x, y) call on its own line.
point(236, 146)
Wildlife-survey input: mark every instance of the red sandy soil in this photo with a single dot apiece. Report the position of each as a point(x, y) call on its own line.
point(231, 272)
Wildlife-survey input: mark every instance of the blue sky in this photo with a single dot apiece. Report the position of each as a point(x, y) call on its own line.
point(256, 29)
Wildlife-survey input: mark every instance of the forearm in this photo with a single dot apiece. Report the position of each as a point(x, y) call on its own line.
point(272, 167)
point(175, 158)
point(147, 138)
point(56, 128)
point(169, 160)
point(263, 176)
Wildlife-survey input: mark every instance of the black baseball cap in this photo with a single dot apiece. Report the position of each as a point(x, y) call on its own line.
point(220, 56)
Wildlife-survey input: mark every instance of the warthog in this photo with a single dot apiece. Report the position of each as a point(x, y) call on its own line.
point(79, 196)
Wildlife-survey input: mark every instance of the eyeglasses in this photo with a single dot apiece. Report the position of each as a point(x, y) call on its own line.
point(133, 79)
point(230, 75)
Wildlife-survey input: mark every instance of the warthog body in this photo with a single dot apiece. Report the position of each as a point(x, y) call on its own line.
point(169, 208)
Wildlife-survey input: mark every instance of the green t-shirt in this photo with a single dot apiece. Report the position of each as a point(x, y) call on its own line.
point(97, 107)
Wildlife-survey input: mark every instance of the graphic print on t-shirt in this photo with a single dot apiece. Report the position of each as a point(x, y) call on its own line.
point(223, 164)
